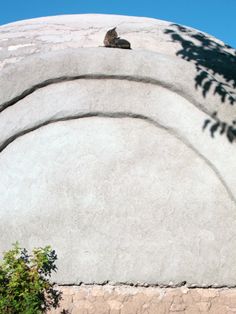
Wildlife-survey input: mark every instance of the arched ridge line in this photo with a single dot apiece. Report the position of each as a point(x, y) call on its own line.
point(124, 115)
point(139, 79)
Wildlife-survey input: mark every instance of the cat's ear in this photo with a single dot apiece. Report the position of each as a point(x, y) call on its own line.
point(113, 29)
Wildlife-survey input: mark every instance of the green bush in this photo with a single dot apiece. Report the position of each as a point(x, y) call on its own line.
point(24, 281)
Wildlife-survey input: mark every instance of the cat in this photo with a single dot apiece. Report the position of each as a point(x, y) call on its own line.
point(112, 40)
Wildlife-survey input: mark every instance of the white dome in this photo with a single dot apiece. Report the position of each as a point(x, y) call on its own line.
point(103, 152)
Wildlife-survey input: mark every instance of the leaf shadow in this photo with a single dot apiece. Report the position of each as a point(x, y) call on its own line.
point(215, 63)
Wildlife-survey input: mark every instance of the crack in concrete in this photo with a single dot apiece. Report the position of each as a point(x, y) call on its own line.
point(124, 115)
point(182, 284)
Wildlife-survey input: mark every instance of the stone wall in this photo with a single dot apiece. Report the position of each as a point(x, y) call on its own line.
point(129, 300)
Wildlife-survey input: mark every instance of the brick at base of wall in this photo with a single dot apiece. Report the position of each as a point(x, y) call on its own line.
point(110, 299)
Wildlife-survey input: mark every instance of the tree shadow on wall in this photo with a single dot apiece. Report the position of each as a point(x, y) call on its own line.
point(216, 69)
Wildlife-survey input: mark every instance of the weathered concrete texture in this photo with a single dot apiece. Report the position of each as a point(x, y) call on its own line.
point(103, 156)
point(151, 68)
point(117, 204)
point(42, 46)
point(132, 300)
point(21, 39)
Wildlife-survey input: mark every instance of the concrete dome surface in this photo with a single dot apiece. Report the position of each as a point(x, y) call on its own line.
point(122, 160)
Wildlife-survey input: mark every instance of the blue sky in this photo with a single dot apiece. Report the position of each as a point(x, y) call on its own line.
point(215, 17)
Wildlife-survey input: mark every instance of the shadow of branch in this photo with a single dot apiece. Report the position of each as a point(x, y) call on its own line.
point(216, 69)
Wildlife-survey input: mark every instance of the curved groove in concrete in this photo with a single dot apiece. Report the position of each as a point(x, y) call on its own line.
point(124, 115)
point(62, 79)
point(68, 65)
